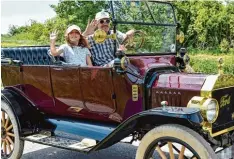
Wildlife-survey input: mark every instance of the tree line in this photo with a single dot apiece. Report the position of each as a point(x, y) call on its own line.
point(207, 25)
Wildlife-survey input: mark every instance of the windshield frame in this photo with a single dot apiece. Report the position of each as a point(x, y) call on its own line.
point(115, 22)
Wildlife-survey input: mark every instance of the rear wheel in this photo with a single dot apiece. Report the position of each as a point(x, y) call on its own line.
point(174, 141)
point(11, 145)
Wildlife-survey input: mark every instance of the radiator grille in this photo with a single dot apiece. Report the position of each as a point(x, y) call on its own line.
point(172, 97)
point(225, 98)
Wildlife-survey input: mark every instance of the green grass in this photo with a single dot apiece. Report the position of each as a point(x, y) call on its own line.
point(207, 63)
point(14, 41)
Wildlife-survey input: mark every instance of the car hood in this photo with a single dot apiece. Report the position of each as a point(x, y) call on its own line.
point(179, 88)
point(180, 81)
point(201, 82)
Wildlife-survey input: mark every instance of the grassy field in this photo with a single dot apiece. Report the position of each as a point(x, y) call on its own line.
point(207, 63)
point(7, 43)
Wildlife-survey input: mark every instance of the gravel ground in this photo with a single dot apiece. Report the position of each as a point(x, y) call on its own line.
point(118, 151)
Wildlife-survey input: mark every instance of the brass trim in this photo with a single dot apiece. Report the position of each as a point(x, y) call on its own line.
point(202, 104)
point(222, 131)
point(208, 127)
point(74, 109)
point(225, 100)
point(224, 81)
point(214, 82)
point(134, 92)
point(122, 62)
point(220, 65)
point(205, 104)
point(99, 36)
point(208, 86)
point(197, 102)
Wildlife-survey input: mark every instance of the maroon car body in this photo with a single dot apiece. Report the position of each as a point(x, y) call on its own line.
point(146, 96)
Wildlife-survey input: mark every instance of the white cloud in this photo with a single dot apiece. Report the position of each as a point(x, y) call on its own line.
point(20, 12)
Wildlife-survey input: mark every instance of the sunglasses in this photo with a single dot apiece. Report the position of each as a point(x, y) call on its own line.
point(105, 21)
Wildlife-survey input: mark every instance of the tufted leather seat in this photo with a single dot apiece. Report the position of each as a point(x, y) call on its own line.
point(29, 55)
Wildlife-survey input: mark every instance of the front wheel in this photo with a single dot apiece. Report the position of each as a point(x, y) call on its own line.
point(11, 145)
point(174, 141)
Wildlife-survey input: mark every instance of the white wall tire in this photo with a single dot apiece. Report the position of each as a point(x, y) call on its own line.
point(189, 140)
point(11, 144)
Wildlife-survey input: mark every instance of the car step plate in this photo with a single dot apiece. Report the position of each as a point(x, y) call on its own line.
point(83, 146)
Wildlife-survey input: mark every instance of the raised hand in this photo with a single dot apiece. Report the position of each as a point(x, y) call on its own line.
point(91, 27)
point(122, 48)
point(53, 35)
point(130, 33)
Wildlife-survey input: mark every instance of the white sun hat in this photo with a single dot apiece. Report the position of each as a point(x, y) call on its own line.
point(102, 15)
point(73, 27)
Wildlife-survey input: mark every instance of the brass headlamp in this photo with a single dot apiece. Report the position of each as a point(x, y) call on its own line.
point(209, 107)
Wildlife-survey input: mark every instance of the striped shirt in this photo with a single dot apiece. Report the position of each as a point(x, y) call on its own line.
point(103, 53)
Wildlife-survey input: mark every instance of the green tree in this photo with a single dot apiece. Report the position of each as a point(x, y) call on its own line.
point(205, 23)
point(78, 12)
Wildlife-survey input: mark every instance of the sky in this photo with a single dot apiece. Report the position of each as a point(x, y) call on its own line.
point(19, 12)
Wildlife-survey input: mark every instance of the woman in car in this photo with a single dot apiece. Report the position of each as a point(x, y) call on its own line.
point(75, 51)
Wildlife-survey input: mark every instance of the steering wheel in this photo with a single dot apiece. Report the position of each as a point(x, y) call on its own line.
point(134, 42)
point(130, 43)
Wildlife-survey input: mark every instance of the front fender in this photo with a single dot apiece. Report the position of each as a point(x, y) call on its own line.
point(192, 115)
point(146, 120)
point(30, 120)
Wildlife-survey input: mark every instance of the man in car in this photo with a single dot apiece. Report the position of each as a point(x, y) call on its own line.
point(103, 53)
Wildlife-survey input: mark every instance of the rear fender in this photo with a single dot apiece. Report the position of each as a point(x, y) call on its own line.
point(146, 120)
point(30, 120)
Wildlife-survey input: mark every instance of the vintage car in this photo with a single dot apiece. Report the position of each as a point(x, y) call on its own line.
point(146, 95)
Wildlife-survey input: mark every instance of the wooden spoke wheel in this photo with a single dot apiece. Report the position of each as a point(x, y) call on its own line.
point(174, 142)
point(11, 145)
point(7, 135)
point(173, 149)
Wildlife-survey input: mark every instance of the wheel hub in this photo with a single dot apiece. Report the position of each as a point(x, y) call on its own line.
point(3, 133)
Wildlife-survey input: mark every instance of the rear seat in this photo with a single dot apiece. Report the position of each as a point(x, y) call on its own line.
point(29, 55)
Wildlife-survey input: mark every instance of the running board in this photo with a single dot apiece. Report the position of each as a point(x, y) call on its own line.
point(77, 135)
point(85, 129)
point(84, 145)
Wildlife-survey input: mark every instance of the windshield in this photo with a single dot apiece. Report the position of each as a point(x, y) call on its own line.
point(154, 22)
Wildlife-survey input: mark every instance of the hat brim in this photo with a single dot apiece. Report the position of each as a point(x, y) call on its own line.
point(99, 18)
point(70, 30)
